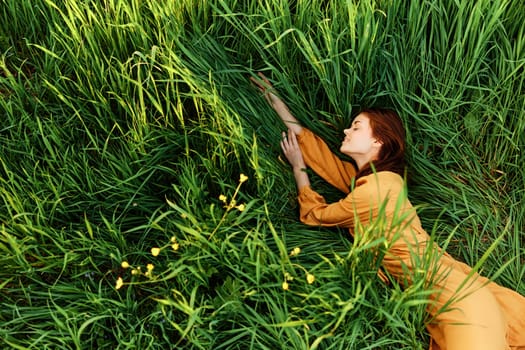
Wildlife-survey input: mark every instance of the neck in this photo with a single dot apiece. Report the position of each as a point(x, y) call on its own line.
point(362, 163)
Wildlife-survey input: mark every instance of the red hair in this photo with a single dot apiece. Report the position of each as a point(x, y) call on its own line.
point(388, 128)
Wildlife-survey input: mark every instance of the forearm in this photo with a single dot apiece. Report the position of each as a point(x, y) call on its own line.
point(301, 176)
point(284, 113)
point(277, 104)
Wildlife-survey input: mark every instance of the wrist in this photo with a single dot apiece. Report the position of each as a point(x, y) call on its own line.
point(274, 99)
point(299, 168)
point(301, 176)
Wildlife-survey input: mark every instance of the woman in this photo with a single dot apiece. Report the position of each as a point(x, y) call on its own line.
point(468, 311)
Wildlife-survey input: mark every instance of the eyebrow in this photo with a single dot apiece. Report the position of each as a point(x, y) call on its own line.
point(356, 121)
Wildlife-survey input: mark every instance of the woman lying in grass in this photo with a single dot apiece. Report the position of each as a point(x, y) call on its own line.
point(467, 310)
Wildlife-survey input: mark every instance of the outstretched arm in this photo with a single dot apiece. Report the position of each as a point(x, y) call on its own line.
point(316, 153)
point(277, 103)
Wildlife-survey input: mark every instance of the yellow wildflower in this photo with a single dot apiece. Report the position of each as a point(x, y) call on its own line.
point(243, 178)
point(124, 264)
point(173, 239)
point(310, 278)
point(222, 198)
point(175, 246)
point(241, 207)
point(150, 267)
point(155, 251)
point(120, 283)
point(135, 272)
point(285, 285)
point(295, 251)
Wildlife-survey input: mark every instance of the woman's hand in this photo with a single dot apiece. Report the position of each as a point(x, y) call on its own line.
point(265, 87)
point(293, 153)
point(291, 150)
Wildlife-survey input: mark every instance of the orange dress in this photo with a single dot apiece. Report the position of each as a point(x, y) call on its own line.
point(468, 311)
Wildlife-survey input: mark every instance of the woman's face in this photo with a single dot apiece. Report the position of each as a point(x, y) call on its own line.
point(359, 142)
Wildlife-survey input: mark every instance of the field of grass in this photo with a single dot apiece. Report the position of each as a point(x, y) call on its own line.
point(128, 128)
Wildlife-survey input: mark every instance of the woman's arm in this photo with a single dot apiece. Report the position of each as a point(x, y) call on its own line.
point(277, 104)
point(318, 156)
point(316, 153)
point(362, 205)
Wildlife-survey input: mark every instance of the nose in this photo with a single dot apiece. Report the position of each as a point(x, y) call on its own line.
point(346, 131)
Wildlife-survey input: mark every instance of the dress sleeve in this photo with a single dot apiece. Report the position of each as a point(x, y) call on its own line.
point(318, 156)
point(359, 205)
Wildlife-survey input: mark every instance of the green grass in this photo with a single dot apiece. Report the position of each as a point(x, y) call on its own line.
point(123, 122)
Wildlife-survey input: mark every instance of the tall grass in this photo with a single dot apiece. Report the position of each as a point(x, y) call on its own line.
point(127, 126)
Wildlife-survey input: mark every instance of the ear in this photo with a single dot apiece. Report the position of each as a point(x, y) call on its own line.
point(378, 142)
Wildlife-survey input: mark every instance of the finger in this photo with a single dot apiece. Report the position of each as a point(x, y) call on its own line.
point(285, 140)
point(265, 79)
point(257, 83)
point(285, 143)
point(283, 147)
point(292, 138)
